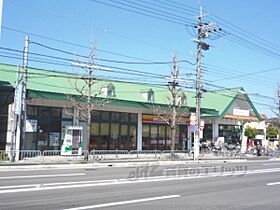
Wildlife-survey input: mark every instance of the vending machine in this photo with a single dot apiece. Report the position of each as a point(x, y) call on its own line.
point(72, 142)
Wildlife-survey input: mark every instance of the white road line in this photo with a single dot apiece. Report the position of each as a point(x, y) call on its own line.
point(43, 187)
point(273, 183)
point(18, 186)
point(41, 176)
point(188, 168)
point(269, 164)
point(125, 202)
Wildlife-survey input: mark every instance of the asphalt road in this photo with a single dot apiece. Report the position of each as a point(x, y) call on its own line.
point(244, 185)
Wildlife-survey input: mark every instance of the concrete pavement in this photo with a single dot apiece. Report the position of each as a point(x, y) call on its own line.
point(252, 185)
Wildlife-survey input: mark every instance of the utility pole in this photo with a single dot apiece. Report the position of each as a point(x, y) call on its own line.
point(198, 85)
point(15, 114)
point(172, 88)
point(278, 115)
point(24, 83)
point(203, 30)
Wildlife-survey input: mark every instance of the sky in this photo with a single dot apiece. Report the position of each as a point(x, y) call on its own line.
point(243, 54)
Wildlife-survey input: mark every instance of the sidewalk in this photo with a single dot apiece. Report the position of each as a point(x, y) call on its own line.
point(15, 166)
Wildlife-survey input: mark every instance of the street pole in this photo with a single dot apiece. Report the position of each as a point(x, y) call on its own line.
point(278, 115)
point(198, 86)
point(173, 91)
point(24, 94)
point(15, 114)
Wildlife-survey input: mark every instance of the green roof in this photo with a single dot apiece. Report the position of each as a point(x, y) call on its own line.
point(55, 82)
point(56, 85)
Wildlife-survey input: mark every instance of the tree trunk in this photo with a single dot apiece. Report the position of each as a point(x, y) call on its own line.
point(278, 137)
point(173, 131)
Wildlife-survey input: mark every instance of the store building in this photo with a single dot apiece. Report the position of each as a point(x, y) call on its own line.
point(234, 109)
point(126, 119)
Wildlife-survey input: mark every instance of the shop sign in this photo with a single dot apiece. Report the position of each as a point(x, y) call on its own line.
point(202, 124)
point(162, 120)
point(241, 112)
point(18, 99)
point(31, 126)
point(54, 139)
point(193, 119)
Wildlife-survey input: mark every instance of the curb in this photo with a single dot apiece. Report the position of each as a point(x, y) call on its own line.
point(110, 164)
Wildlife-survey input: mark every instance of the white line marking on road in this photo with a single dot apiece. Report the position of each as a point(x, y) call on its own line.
point(124, 202)
point(188, 168)
point(41, 176)
point(269, 164)
point(273, 183)
point(18, 186)
point(135, 180)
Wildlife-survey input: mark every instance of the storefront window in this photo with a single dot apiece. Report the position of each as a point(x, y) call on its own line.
point(208, 132)
point(55, 125)
point(49, 125)
point(161, 137)
point(124, 137)
point(124, 117)
point(231, 133)
point(43, 112)
point(114, 140)
point(56, 112)
point(133, 118)
point(153, 137)
point(116, 131)
point(95, 116)
point(94, 136)
point(105, 116)
point(145, 137)
point(104, 136)
point(32, 111)
point(115, 117)
point(133, 137)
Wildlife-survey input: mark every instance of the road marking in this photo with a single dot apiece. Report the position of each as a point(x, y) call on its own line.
point(188, 168)
point(268, 164)
point(273, 183)
point(18, 186)
point(125, 202)
point(41, 176)
point(135, 180)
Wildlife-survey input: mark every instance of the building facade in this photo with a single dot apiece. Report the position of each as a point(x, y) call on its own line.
point(127, 119)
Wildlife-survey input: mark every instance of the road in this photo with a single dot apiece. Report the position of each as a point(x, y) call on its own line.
point(244, 185)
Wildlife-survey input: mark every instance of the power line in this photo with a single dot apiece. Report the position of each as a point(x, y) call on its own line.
point(72, 43)
point(250, 79)
point(148, 5)
point(155, 15)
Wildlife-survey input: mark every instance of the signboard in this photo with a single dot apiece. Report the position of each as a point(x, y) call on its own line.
point(31, 126)
point(241, 112)
point(193, 119)
point(244, 144)
point(18, 99)
point(162, 120)
point(54, 139)
point(193, 128)
point(202, 124)
point(72, 140)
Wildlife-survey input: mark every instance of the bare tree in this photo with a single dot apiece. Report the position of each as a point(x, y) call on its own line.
point(87, 99)
point(175, 101)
